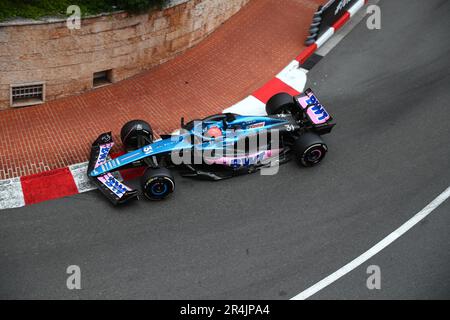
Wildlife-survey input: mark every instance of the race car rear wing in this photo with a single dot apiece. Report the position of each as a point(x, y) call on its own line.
point(320, 119)
point(113, 189)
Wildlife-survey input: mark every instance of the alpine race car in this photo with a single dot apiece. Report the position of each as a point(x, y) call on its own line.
point(220, 140)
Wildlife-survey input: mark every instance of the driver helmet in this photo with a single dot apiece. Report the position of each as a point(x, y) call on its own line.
point(214, 132)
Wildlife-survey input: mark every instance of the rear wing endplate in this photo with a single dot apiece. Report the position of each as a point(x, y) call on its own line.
point(315, 111)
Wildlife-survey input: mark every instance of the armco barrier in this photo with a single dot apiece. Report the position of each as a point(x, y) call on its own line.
point(342, 16)
point(326, 16)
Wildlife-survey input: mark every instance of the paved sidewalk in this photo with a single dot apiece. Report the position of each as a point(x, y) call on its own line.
point(234, 61)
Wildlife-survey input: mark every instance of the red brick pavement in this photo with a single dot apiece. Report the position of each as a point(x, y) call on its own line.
point(238, 58)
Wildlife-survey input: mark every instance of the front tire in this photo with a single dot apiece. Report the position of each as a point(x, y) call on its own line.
point(280, 103)
point(157, 184)
point(310, 149)
point(136, 134)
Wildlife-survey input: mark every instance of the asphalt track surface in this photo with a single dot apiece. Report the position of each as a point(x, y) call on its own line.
point(271, 237)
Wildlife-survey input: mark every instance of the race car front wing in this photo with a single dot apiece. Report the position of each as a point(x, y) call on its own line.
point(108, 184)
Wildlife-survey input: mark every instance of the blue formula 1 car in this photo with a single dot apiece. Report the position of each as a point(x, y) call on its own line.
point(215, 148)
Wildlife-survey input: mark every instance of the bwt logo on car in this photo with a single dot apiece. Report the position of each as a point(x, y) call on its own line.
point(246, 162)
point(103, 154)
point(116, 186)
point(104, 151)
point(318, 108)
point(341, 6)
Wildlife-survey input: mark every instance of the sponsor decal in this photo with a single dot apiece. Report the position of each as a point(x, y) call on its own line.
point(106, 138)
point(318, 109)
point(341, 5)
point(248, 161)
point(238, 162)
point(257, 125)
point(148, 149)
point(315, 111)
point(103, 154)
point(332, 12)
point(118, 188)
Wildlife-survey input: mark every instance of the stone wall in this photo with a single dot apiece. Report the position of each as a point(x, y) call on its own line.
point(127, 44)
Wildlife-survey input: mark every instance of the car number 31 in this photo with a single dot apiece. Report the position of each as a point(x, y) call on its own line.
point(290, 127)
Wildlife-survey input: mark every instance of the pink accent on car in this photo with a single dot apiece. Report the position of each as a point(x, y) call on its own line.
point(316, 112)
point(117, 187)
point(303, 101)
point(103, 154)
point(244, 160)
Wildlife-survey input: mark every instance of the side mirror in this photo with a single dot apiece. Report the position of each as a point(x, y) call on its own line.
point(182, 122)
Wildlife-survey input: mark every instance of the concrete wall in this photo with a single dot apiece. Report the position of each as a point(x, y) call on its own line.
point(128, 44)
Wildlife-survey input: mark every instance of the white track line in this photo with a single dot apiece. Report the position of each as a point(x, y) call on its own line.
point(375, 249)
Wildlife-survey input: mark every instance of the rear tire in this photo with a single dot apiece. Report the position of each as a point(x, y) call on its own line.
point(157, 184)
point(280, 103)
point(310, 149)
point(131, 132)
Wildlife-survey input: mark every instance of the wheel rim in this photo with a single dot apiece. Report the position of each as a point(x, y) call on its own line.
point(314, 155)
point(159, 188)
